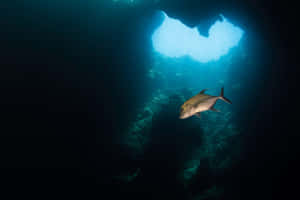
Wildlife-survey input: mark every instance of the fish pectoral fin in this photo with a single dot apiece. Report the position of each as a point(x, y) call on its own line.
point(215, 110)
point(202, 91)
point(198, 115)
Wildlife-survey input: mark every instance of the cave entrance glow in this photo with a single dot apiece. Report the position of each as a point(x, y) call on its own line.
point(174, 39)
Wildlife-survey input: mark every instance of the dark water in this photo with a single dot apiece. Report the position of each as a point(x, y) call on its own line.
point(89, 109)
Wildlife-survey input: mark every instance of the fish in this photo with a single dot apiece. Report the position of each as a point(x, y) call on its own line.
point(200, 103)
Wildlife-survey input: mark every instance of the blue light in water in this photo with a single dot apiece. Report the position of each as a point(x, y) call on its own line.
point(174, 39)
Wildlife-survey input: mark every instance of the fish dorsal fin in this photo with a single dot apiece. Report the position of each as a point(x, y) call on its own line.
point(202, 91)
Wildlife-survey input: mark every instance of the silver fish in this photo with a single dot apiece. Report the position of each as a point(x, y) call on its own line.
point(200, 103)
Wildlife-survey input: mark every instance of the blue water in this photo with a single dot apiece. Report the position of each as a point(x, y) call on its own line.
point(184, 62)
point(174, 39)
point(94, 89)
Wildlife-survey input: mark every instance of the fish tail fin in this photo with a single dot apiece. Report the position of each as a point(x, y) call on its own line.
point(224, 98)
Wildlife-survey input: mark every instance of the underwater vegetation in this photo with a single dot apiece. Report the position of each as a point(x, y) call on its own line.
point(209, 145)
